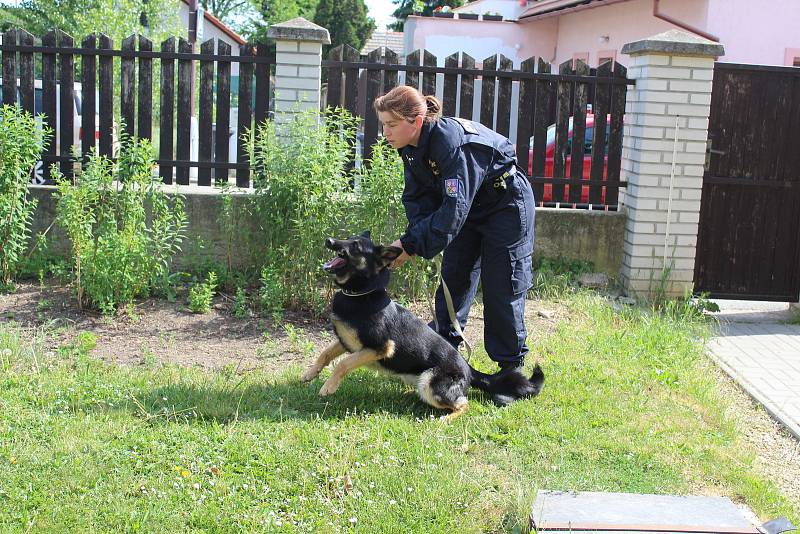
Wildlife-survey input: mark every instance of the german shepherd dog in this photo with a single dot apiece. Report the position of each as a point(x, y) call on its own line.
point(379, 333)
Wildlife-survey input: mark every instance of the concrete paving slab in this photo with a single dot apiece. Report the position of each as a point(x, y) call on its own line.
point(575, 512)
point(758, 347)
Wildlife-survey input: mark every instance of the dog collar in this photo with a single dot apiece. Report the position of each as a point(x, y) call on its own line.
point(375, 284)
point(354, 294)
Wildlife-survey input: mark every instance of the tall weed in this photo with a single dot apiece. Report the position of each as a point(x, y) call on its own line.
point(306, 192)
point(21, 143)
point(124, 229)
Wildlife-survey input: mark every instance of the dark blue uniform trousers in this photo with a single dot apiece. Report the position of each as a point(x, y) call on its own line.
point(494, 247)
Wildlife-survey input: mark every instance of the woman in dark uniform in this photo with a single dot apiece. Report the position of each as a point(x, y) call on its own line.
point(465, 195)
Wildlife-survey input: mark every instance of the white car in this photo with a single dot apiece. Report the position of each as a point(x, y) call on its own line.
point(77, 109)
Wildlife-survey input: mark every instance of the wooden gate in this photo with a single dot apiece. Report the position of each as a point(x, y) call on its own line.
point(748, 243)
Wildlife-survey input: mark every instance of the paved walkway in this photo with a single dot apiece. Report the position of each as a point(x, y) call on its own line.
point(759, 350)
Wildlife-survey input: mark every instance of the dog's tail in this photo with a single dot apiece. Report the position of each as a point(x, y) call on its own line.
point(510, 385)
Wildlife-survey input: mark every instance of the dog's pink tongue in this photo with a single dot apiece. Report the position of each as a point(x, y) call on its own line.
point(335, 263)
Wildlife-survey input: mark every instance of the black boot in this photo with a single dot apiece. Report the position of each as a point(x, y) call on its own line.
point(505, 366)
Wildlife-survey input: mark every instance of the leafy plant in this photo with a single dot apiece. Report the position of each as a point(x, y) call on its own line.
point(169, 284)
point(201, 294)
point(21, 142)
point(41, 261)
point(271, 293)
point(686, 307)
point(304, 195)
point(228, 222)
point(240, 302)
point(298, 341)
point(123, 227)
point(81, 345)
point(555, 277)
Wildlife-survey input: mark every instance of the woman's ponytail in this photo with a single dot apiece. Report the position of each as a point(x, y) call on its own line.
point(434, 108)
point(408, 103)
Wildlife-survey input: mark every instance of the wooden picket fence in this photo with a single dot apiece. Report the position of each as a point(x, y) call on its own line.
point(538, 98)
point(545, 98)
point(58, 63)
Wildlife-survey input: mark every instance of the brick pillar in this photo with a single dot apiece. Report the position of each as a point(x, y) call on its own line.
point(298, 69)
point(673, 73)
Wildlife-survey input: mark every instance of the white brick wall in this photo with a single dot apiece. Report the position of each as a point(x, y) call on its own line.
point(297, 77)
point(666, 87)
point(298, 66)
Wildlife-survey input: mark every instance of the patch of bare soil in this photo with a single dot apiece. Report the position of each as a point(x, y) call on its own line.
point(168, 332)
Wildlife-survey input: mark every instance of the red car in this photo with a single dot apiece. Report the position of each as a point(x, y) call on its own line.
point(587, 160)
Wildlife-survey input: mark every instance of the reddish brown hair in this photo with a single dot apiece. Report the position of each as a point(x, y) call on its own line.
point(405, 102)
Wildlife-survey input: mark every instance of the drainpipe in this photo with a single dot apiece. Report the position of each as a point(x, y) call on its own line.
point(681, 24)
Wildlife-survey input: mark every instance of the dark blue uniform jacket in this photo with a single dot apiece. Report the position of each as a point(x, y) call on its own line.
point(449, 178)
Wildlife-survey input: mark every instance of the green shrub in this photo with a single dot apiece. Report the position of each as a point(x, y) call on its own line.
point(306, 192)
point(21, 143)
point(556, 277)
point(686, 307)
point(124, 229)
point(41, 261)
point(271, 293)
point(202, 293)
point(240, 308)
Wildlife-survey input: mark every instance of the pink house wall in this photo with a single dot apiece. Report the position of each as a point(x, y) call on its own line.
point(756, 32)
point(481, 39)
point(766, 32)
point(586, 31)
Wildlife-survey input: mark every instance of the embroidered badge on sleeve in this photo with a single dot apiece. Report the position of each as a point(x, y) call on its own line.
point(451, 187)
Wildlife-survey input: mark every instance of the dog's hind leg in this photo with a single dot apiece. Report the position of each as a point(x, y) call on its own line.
point(333, 351)
point(354, 361)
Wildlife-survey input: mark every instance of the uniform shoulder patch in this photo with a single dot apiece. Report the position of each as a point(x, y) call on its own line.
point(468, 125)
point(451, 187)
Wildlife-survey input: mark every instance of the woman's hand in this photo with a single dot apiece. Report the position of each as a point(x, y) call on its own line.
point(402, 258)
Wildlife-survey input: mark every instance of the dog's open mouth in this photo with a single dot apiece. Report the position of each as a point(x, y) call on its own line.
point(334, 264)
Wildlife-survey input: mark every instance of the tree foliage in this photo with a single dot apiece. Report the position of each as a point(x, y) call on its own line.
point(426, 7)
point(115, 18)
point(274, 12)
point(10, 18)
point(225, 9)
point(346, 20)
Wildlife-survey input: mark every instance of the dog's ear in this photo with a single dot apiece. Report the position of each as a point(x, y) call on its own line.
point(366, 234)
point(386, 255)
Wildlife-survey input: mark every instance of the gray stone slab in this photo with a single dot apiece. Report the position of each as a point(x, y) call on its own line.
point(299, 29)
point(554, 511)
point(675, 42)
point(769, 376)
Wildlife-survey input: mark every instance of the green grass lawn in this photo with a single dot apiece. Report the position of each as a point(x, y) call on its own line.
point(629, 404)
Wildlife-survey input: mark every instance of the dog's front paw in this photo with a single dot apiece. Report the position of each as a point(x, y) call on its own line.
point(310, 374)
point(329, 387)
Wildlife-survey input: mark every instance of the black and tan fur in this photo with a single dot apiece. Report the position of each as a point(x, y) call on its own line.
point(380, 333)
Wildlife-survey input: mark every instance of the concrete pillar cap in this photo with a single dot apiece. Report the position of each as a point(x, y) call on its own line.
point(299, 29)
point(675, 43)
